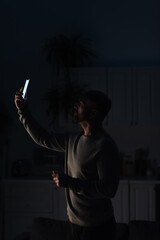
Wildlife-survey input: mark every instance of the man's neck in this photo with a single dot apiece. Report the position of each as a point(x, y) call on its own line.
point(90, 129)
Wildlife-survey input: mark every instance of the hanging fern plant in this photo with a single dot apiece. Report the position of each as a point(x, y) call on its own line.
point(64, 53)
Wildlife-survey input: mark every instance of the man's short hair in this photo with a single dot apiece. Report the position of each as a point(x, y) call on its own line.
point(100, 99)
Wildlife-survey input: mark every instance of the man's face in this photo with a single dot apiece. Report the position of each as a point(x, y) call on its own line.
point(82, 111)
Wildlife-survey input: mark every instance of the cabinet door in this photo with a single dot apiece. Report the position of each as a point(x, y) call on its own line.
point(120, 91)
point(156, 97)
point(28, 196)
point(24, 201)
point(121, 203)
point(59, 203)
point(142, 80)
point(142, 201)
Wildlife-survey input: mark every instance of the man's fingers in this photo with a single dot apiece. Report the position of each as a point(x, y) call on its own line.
point(18, 93)
point(55, 174)
point(56, 181)
point(18, 97)
point(55, 178)
point(21, 90)
point(20, 100)
point(61, 180)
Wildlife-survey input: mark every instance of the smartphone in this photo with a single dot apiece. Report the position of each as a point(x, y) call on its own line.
point(25, 88)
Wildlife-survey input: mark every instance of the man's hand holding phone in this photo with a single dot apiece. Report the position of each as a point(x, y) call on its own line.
point(21, 97)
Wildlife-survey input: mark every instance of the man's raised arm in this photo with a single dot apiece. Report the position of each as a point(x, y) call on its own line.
point(56, 142)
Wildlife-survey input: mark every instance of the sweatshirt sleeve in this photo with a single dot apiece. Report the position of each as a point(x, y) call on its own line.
point(56, 142)
point(108, 169)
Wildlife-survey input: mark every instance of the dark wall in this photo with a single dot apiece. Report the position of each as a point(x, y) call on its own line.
point(124, 33)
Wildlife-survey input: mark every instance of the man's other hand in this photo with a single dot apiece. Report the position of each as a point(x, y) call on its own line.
point(60, 179)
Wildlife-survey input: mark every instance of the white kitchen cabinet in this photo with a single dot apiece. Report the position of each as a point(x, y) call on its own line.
point(29, 199)
point(155, 86)
point(120, 91)
point(142, 82)
point(121, 202)
point(134, 92)
point(142, 200)
point(147, 95)
point(135, 97)
point(25, 200)
point(135, 200)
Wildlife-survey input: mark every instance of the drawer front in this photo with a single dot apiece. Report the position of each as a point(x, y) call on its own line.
point(23, 189)
point(38, 204)
point(32, 197)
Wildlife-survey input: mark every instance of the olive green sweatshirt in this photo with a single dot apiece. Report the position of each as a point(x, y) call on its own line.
point(92, 164)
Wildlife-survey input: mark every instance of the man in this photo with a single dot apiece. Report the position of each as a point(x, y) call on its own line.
point(91, 165)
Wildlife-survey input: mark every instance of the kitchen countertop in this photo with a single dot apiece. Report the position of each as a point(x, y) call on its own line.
point(44, 178)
